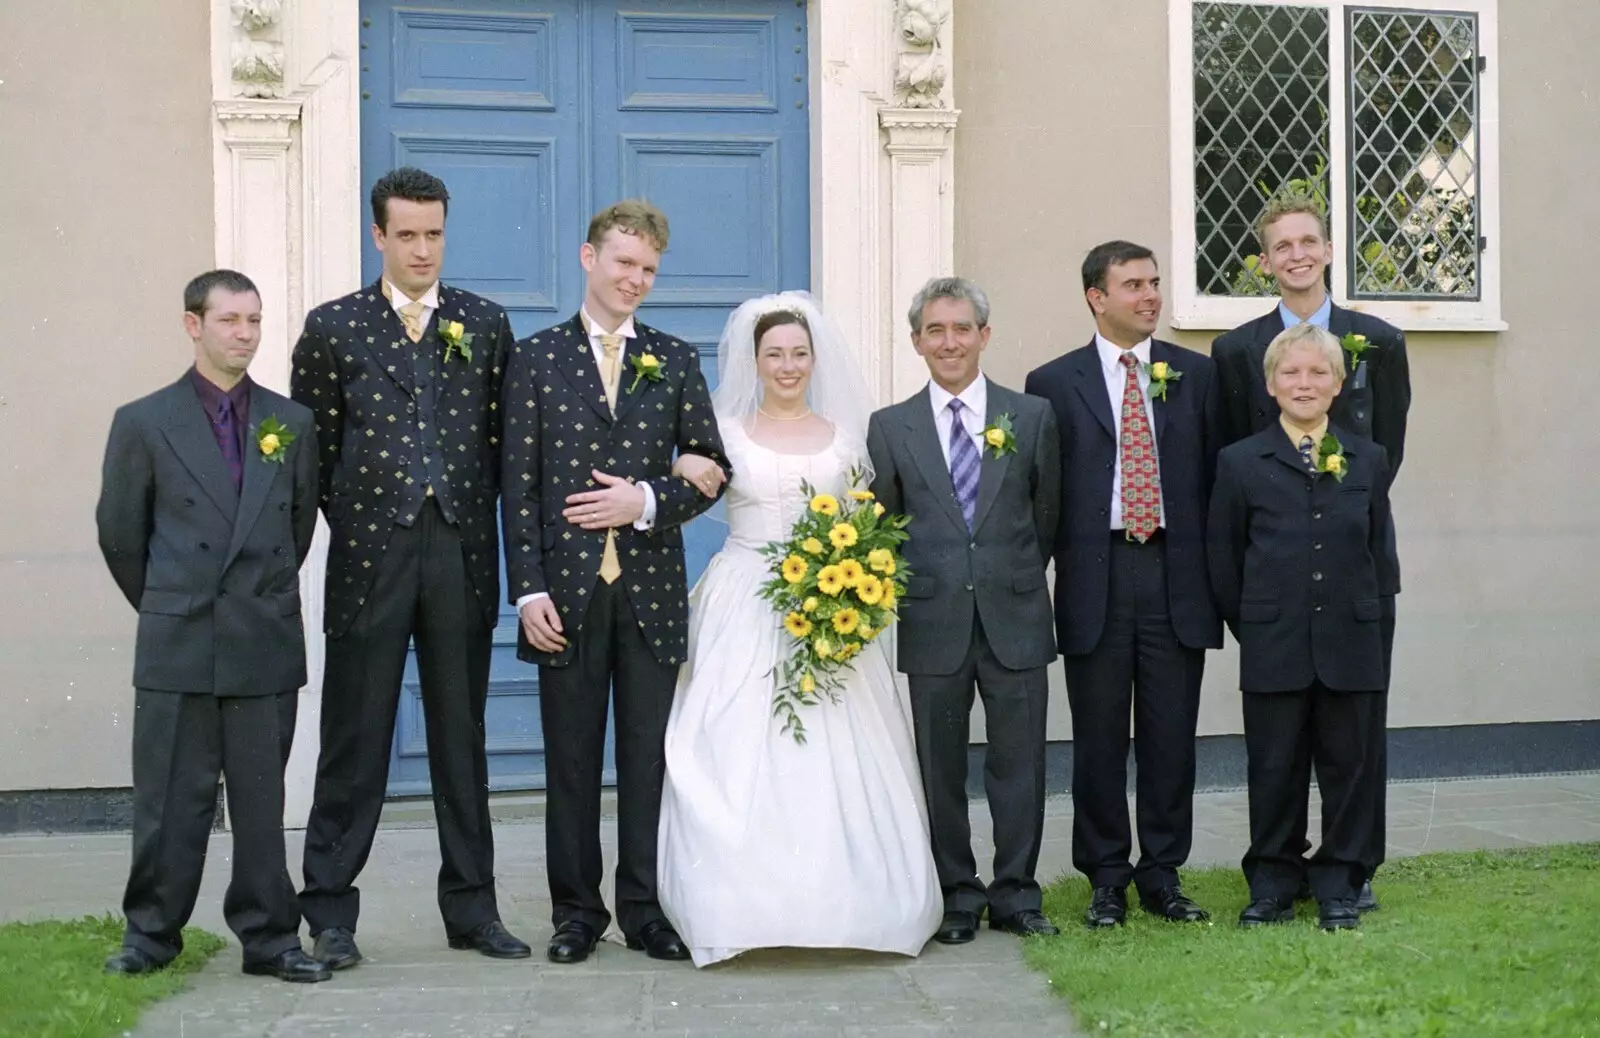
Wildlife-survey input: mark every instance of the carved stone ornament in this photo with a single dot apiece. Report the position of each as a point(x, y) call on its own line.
point(257, 54)
point(920, 71)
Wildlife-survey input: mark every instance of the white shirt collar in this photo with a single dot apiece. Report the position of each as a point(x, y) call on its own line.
point(398, 298)
point(592, 327)
point(975, 397)
point(1111, 354)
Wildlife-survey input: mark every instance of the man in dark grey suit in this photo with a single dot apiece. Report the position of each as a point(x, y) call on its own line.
point(207, 506)
point(977, 468)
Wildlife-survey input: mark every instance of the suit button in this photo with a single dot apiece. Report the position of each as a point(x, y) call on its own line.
point(969, 587)
point(1317, 575)
point(222, 593)
point(1100, 558)
point(277, 551)
point(411, 409)
point(283, 506)
point(973, 546)
point(204, 546)
point(1105, 511)
point(1317, 514)
point(1317, 546)
point(189, 501)
point(1316, 609)
point(1361, 414)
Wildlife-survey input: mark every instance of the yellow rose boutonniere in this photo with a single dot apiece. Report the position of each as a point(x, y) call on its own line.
point(645, 366)
point(273, 439)
point(1355, 345)
point(999, 438)
point(1161, 375)
point(1330, 457)
point(456, 339)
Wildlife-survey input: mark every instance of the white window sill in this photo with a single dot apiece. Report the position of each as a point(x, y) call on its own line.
point(1221, 314)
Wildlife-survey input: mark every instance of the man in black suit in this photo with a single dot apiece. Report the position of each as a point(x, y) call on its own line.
point(1134, 614)
point(1373, 401)
point(207, 507)
point(595, 409)
point(976, 612)
point(1301, 554)
point(404, 379)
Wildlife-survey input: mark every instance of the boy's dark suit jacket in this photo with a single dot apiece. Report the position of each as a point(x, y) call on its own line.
point(213, 571)
point(1188, 434)
point(558, 429)
point(1300, 561)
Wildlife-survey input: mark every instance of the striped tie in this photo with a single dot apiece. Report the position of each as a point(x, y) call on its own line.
point(1305, 452)
point(964, 463)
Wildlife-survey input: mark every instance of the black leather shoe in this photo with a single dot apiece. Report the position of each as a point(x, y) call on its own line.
point(1107, 908)
point(1264, 911)
point(294, 965)
point(131, 962)
point(1367, 901)
point(573, 941)
point(491, 939)
point(1338, 913)
point(958, 927)
point(1171, 904)
point(659, 941)
point(336, 948)
point(1027, 923)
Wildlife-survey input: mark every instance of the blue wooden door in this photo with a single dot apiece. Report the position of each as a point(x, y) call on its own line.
point(536, 113)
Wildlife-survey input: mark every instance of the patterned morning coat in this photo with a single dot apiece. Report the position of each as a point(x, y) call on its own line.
point(557, 429)
point(395, 418)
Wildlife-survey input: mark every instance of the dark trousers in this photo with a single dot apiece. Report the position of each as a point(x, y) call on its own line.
point(421, 592)
point(1014, 706)
point(182, 743)
point(1380, 783)
point(610, 663)
point(1285, 734)
point(1138, 668)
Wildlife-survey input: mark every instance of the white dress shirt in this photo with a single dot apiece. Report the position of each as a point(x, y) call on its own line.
point(975, 401)
point(428, 299)
point(647, 518)
point(1116, 383)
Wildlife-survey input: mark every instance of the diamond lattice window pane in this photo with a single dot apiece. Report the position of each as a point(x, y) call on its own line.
point(1260, 126)
point(1414, 154)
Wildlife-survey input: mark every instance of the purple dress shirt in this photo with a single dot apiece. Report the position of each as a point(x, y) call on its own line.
point(228, 424)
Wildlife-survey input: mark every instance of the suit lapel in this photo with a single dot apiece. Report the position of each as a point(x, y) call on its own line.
point(188, 430)
point(1160, 351)
point(929, 455)
point(992, 469)
point(1279, 446)
point(1340, 324)
point(575, 362)
point(258, 475)
point(1090, 383)
point(390, 344)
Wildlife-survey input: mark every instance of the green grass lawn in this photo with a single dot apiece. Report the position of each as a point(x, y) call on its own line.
point(1475, 945)
point(51, 982)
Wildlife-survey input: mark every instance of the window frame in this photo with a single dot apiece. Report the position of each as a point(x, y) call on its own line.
point(1193, 311)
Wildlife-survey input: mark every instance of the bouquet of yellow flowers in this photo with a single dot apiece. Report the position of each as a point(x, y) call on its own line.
point(836, 582)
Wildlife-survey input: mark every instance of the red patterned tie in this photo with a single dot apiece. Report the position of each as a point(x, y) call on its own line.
point(1141, 486)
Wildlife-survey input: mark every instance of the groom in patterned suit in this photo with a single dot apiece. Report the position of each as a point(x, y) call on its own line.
point(404, 378)
point(595, 410)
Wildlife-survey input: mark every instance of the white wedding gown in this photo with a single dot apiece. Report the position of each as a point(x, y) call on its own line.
point(765, 843)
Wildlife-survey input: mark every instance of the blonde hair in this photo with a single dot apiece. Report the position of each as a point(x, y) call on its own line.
point(1286, 204)
point(1304, 335)
point(634, 216)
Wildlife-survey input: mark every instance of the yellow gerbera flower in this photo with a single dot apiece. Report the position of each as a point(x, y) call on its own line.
point(869, 589)
point(888, 595)
point(795, 569)
point(810, 604)
point(812, 545)
point(825, 504)
point(829, 580)
point(843, 535)
point(861, 495)
point(797, 625)
point(846, 620)
point(881, 559)
point(852, 572)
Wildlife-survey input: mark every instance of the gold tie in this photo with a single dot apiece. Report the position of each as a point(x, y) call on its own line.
point(411, 317)
point(610, 377)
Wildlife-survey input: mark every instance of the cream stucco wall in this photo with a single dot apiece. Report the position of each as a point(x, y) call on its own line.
point(1063, 143)
point(105, 212)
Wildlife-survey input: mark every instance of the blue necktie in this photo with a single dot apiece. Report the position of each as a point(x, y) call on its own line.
point(964, 463)
point(228, 440)
point(1305, 452)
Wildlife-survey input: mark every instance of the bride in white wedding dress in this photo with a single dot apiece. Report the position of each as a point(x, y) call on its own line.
point(765, 842)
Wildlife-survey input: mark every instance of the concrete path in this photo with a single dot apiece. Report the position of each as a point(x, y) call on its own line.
point(412, 986)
